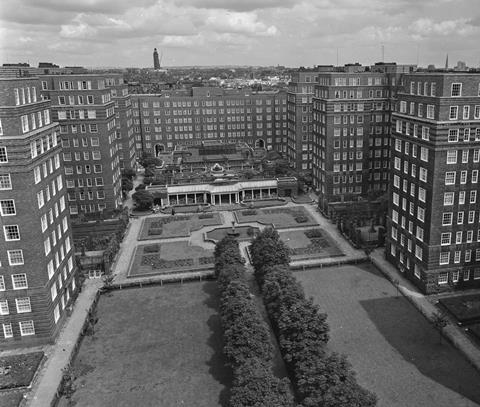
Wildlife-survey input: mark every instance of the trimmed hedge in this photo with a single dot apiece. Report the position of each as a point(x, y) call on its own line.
point(320, 378)
point(246, 336)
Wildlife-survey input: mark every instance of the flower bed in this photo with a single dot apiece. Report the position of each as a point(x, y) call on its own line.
point(280, 217)
point(310, 243)
point(465, 308)
point(18, 370)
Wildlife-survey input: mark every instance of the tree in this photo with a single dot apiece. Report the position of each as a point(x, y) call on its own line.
point(128, 173)
point(268, 249)
point(127, 184)
point(143, 200)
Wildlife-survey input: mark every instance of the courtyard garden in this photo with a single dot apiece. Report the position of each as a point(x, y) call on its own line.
point(164, 227)
point(163, 349)
point(171, 257)
point(281, 218)
point(396, 351)
point(241, 233)
point(309, 244)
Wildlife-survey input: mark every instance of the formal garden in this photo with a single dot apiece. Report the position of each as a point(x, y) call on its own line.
point(150, 347)
point(310, 244)
point(16, 374)
point(279, 217)
point(465, 308)
point(170, 257)
point(241, 233)
point(164, 227)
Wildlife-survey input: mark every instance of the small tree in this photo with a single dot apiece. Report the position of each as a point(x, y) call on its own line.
point(143, 200)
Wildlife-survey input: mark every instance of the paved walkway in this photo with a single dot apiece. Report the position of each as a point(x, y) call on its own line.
point(50, 376)
point(453, 332)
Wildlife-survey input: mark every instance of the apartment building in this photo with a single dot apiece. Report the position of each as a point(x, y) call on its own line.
point(300, 117)
point(85, 109)
point(433, 232)
point(123, 121)
point(37, 273)
point(351, 130)
point(179, 118)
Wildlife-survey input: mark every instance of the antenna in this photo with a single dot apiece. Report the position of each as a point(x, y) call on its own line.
point(418, 54)
point(383, 53)
point(161, 56)
point(337, 56)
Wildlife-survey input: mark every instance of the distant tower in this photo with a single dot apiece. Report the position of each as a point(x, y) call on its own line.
point(156, 62)
point(446, 63)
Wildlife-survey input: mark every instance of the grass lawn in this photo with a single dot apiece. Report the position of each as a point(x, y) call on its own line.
point(280, 217)
point(465, 308)
point(155, 346)
point(162, 258)
point(310, 244)
point(11, 398)
point(164, 227)
point(396, 352)
point(20, 368)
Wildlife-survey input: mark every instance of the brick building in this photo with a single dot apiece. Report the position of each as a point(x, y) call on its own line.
point(433, 230)
point(37, 274)
point(351, 130)
point(300, 118)
point(85, 109)
point(182, 118)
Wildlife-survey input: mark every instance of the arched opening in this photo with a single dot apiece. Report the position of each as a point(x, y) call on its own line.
point(159, 148)
point(259, 143)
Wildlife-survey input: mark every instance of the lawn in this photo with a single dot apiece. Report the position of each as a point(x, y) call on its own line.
point(310, 244)
point(171, 257)
point(164, 227)
point(465, 308)
point(18, 370)
point(156, 346)
point(280, 217)
point(11, 398)
point(396, 352)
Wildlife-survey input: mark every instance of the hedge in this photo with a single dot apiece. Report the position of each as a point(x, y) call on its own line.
point(320, 378)
point(247, 343)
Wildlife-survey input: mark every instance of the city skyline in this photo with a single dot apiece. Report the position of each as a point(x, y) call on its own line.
point(262, 32)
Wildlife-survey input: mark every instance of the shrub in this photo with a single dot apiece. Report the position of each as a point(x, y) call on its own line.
point(301, 219)
point(205, 216)
point(249, 212)
point(313, 233)
point(155, 231)
point(152, 248)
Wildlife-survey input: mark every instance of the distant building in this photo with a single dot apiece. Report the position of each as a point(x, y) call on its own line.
point(433, 223)
point(156, 61)
point(172, 119)
point(37, 277)
point(461, 66)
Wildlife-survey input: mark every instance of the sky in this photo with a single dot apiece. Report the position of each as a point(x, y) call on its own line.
point(293, 33)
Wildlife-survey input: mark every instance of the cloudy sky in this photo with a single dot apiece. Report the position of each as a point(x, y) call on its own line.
point(243, 32)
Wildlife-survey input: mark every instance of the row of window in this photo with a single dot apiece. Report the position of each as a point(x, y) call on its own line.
point(447, 217)
point(22, 306)
point(446, 237)
point(445, 257)
point(44, 195)
point(449, 197)
point(32, 121)
point(25, 95)
point(211, 103)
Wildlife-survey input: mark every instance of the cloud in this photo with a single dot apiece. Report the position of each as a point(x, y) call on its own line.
point(425, 27)
point(238, 5)
point(240, 23)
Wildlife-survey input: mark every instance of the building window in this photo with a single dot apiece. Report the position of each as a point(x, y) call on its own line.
point(445, 239)
point(456, 89)
point(453, 113)
point(3, 155)
point(11, 232)
point(452, 156)
point(450, 177)
point(27, 328)
point(23, 305)
point(444, 258)
point(19, 281)
point(466, 275)
point(7, 207)
point(5, 182)
point(443, 278)
point(15, 257)
point(2, 283)
point(4, 307)
point(7, 331)
point(447, 218)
